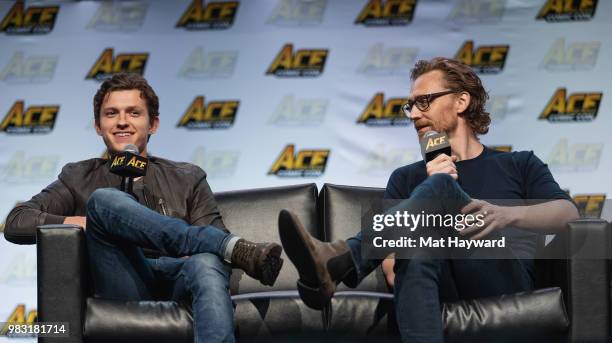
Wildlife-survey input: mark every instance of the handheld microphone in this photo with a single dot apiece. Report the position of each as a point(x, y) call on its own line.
point(434, 144)
point(128, 164)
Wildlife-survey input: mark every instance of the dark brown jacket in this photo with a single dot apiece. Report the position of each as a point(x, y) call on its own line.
point(171, 188)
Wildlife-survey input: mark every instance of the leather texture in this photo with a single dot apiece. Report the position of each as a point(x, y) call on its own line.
point(190, 199)
point(253, 215)
point(137, 321)
point(265, 314)
point(529, 316)
point(62, 279)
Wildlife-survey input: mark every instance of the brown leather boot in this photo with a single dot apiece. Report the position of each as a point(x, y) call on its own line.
point(260, 261)
point(321, 266)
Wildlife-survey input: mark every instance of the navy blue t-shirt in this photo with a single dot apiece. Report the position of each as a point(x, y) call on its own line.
point(491, 175)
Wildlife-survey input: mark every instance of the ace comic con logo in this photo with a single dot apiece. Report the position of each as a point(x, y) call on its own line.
point(29, 69)
point(484, 59)
point(125, 16)
point(306, 163)
point(297, 111)
point(562, 56)
point(477, 11)
point(381, 113)
point(301, 63)
point(28, 21)
point(387, 13)
point(33, 119)
point(567, 10)
point(214, 115)
point(204, 64)
point(22, 168)
point(573, 107)
point(297, 13)
point(214, 15)
point(106, 65)
point(387, 61)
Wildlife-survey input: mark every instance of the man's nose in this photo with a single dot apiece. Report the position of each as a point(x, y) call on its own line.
point(122, 120)
point(415, 113)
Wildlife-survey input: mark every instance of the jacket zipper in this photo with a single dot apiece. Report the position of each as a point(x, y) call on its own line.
point(162, 204)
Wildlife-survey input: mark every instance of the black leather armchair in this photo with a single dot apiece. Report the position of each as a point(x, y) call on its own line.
point(570, 305)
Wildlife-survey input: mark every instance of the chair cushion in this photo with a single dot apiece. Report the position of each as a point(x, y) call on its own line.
point(281, 315)
point(257, 316)
point(137, 321)
point(253, 214)
point(523, 316)
point(527, 316)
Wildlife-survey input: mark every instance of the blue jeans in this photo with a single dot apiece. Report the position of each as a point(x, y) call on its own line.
point(118, 227)
point(422, 283)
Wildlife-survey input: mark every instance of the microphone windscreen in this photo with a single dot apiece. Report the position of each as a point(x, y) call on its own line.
point(131, 148)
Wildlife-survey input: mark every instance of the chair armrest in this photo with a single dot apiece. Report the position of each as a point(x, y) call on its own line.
point(588, 280)
point(62, 278)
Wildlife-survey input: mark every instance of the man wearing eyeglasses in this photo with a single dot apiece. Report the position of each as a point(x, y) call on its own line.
point(446, 96)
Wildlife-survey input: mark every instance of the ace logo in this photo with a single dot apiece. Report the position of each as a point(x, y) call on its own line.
point(19, 317)
point(307, 163)
point(302, 63)
point(292, 111)
point(33, 20)
point(578, 157)
point(486, 59)
point(477, 11)
point(590, 205)
point(574, 56)
point(381, 113)
point(387, 61)
point(30, 69)
point(576, 107)
point(35, 119)
point(298, 12)
point(209, 64)
point(387, 13)
point(215, 115)
point(119, 16)
point(567, 10)
point(106, 66)
point(215, 15)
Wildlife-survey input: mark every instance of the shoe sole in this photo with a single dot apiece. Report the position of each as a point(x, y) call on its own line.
point(271, 265)
point(292, 235)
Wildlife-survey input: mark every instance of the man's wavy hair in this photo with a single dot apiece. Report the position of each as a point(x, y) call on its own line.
point(460, 77)
point(127, 81)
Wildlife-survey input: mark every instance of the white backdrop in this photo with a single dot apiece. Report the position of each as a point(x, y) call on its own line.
point(312, 113)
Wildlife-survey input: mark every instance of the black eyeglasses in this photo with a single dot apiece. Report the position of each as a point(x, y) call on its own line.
point(423, 102)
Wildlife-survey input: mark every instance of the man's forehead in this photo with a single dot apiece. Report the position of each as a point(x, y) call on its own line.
point(427, 83)
point(131, 97)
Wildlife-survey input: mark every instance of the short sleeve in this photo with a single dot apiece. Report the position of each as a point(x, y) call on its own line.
point(538, 182)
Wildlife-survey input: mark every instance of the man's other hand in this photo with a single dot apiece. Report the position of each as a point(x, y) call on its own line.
point(387, 267)
point(443, 164)
point(80, 221)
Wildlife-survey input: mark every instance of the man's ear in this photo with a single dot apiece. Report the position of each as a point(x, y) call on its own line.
point(154, 125)
point(97, 127)
point(463, 101)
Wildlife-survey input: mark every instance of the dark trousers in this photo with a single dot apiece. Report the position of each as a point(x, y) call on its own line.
point(424, 281)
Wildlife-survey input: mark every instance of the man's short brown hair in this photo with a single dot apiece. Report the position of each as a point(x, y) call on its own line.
point(127, 81)
point(460, 77)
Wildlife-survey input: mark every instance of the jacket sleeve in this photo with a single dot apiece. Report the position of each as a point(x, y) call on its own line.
point(203, 209)
point(50, 206)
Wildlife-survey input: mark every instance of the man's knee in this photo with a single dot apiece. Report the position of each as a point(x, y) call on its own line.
point(440, 183)
point(100, 198)
point(104, 198)
point(207, 268)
